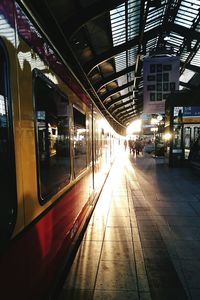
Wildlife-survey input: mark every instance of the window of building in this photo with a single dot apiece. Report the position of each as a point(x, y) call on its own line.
point(52, 131)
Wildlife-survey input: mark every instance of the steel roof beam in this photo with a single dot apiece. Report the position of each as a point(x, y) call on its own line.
point(193, 68)
point(114, 91)
point(89, 66)
point(119, 99)
point(125, 103)
point(86, 14)
point(122, 106)
point(113, 77)
point(183, 31)
point(125, 109)
point(124, 114)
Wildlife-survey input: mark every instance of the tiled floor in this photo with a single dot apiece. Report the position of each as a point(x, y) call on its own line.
point(143, 240)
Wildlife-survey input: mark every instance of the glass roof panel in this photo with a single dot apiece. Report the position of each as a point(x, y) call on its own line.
point(196, 59)
point(124, 92)
point(184, 55)
point(132, 54)
point(187, 12)
point(155, 16)
point(187, 75)
point(120, 61)
point(198, 27)
point(133, 18)
point(122, 80)
point(118, 16)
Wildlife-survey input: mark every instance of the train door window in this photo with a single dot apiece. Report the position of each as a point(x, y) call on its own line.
point(80, 159)
point(7, 161)
point(52, 131)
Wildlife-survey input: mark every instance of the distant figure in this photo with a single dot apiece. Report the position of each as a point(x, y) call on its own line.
point(125, 144)
point(130, 144)
point(195, 150)
point(137, 146)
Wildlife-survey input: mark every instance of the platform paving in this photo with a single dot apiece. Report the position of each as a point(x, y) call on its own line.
point(143, 239)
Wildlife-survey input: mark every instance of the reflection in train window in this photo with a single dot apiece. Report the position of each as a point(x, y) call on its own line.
point(52, 126)
point(80, 160)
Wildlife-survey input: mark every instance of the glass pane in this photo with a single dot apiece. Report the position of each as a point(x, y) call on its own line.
point(177, 137)
point(52, 125)
point(80, 161)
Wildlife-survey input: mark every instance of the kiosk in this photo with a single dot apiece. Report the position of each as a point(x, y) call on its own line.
point(182, 125)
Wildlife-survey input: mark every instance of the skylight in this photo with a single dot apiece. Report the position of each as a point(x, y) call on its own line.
point(188, 11)
point(187, 75)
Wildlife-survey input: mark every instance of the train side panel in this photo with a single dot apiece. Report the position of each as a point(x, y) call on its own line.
point(45, 229)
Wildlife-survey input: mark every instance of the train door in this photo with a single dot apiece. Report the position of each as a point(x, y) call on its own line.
point(7, 158)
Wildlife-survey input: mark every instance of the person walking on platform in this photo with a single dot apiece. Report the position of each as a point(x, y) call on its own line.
point(137, 146)
point(125, 144)
point(130, 144)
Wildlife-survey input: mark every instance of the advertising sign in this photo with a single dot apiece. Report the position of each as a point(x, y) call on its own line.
point(161, 77)
point(187, 114)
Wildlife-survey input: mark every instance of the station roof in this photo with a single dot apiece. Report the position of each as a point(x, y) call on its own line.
point(105, 43)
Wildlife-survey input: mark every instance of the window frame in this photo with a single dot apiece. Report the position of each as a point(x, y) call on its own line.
point(43, 200)
point(13, 204)
point(76, 175)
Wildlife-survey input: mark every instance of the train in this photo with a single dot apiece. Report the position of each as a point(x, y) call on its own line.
point(56, 149)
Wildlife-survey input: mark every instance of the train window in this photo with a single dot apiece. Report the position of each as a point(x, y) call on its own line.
point(80, 160)
point(52, 131)
point(7, 162)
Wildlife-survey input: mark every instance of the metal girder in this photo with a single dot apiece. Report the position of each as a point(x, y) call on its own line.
point(86, 14)
point(136, 105)
point(119, 99)
point(113, 77)
point(114, 91)
point(187, 85)
point(89, 66)
point(185, 32)
point(169, 17)
point(189, 33)
point(137, 111)
point(118, 113)
point(121, 114)
point(193, 68)
point(121, 105)
point(143, 16)
point(125, 111)
point(130, 118)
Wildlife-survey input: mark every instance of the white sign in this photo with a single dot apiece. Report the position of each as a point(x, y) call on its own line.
point(161, 77)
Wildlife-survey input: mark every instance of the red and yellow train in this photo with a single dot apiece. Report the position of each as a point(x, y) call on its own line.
point(55, 153)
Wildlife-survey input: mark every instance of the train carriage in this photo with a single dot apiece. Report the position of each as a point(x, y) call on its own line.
point(55, 151)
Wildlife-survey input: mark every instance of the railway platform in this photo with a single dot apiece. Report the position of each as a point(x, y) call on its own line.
point(143, 239)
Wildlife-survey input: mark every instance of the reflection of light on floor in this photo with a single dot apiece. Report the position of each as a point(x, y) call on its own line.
point(122, 161)
point(105, 259)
